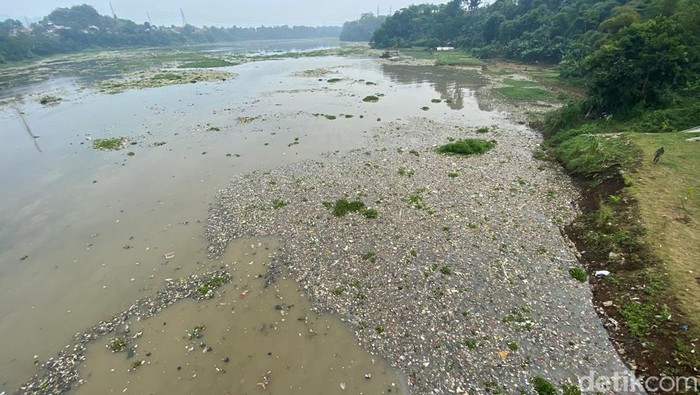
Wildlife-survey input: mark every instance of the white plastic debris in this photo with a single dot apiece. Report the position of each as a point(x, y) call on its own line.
point(602, 273)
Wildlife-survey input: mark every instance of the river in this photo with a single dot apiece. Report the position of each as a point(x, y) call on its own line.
point(86, 232)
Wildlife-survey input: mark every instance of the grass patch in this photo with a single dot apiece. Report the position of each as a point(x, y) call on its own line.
point(118, 344)
point(425, 108)
point(579, 274)
point(415, 199)
point(593, 155)
point(342, 207)
point(436, 100)
point(525, 93)
point(467, 147)
point(370, 99)
point(337, 291)
point(638, 317)
point(278, 203)
point(456, 58)
point(110, 144)
point(206, 63)
point(334, 80)
point(543, 387)
point(369, 256)
point(405, 172)
point(524, 90)
point(668, 195)
point(208, 286)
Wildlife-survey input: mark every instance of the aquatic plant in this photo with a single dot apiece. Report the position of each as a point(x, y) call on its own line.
point(467, 147)
point(110, 144)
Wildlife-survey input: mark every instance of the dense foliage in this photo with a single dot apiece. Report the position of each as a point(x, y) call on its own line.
point(631, 52)
point(81, 27)
point(361, 29)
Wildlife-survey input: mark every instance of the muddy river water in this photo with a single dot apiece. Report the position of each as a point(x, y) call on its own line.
point(86, 232)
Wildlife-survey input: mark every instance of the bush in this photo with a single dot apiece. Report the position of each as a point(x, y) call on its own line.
point(543, 387)
point(467, 147)
point(578, 273)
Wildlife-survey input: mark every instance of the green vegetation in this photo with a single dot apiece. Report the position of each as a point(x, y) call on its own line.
point(206, 63)
point(334, 80)
point(512, 346)
point(343, 207)
point(415, 199)
point(369, 256)
point(452, 174)
point(570, 389)
point(638, 317)
point(543, 387)
point(109, 144)
point(467, 147)
point(520, 318)
point(337, 291)
point(446, 270)
point(405, 172)
point(436, 101)
point(136, 364)
point(579, 274)
point(81, 27)
point(425, 108)
point(482, 130)
point(278, 203)
point(371, 99)
point(208, 286)
point(456, 58)
point(118, 344)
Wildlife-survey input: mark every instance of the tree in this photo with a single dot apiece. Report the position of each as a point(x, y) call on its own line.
point(361, 29)
point(641, 63)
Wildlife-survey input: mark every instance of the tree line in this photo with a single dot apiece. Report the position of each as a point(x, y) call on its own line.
point(81, 27)
point(630, 51)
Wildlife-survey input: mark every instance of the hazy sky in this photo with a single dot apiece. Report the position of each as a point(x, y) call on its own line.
point(218, 12)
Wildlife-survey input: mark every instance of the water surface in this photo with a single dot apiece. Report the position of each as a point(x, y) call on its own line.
point(85, 232)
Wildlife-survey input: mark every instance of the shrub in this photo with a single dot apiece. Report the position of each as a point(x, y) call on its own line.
point(467, 147)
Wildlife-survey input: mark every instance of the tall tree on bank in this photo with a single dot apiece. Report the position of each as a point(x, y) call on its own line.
point(361, 29)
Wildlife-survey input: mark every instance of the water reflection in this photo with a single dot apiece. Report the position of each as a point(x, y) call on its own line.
point(453, 85)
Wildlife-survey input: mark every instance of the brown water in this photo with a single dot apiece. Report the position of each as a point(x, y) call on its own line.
point(84, 232)
point(254, 338)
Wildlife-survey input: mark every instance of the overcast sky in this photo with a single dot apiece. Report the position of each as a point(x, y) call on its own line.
point(217, 12)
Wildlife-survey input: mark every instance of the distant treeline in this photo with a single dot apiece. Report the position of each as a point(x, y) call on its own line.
point(82, 27)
